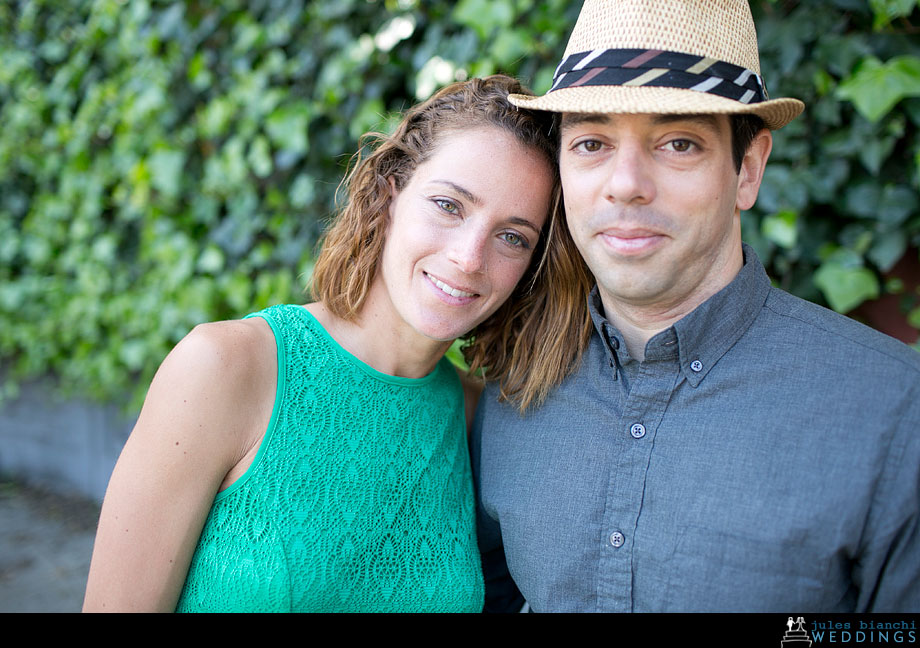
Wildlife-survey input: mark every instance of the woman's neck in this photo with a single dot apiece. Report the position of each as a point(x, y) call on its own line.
point(380, 343)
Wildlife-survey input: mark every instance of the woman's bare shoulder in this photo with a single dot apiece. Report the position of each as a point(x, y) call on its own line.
point(234, 348)
point(214, 387)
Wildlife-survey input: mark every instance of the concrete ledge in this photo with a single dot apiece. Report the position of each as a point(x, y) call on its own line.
point(67, 446)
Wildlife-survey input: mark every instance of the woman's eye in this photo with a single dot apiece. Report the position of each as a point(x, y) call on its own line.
point(515, 239)
point(446, 205)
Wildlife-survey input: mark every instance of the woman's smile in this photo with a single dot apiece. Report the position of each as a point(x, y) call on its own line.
point(462, 296)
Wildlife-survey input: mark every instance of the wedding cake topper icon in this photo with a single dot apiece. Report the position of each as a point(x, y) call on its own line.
point(797, 638)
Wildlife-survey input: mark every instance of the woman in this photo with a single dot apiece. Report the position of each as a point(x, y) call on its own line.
point(313, 458)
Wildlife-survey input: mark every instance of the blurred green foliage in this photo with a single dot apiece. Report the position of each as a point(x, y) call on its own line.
point(167, 163)
point(839, 205)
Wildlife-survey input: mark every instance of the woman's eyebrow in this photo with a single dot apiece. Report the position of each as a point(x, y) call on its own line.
point(465, 193)
point(523, 222)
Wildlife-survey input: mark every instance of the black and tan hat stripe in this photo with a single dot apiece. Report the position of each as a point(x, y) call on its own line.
point(658, 68)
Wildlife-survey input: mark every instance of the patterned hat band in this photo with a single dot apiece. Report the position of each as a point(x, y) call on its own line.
point(640, 67)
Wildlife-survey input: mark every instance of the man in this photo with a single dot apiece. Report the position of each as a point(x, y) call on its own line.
point(723, 446)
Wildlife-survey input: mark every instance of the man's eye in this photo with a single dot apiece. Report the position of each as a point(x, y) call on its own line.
point(449, 206)
point(680, 145)
point(590, 146)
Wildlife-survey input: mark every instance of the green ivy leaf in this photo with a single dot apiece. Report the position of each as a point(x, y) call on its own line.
point(166, 171)
point(260, 157)
point(511, 45)
point(484, 16)
point(782, 189)
point(370, 117)
point(856, 239)
point(846, 287)
point(287, 127)
point(781, 228)
point(913, 318)
point(215, 118)
point(435, 73)
point(456, 356)
point(840, 53)
point(887, 249)
point(543, 81)
point(826, 177)
point(897, 203)
point(887, 10)
point(875, 87)
point(133, 354)
point(198, 73)
point(211, 260)
point(237, 290)
point(302, 190)
point(875, 151)
point(863, 199)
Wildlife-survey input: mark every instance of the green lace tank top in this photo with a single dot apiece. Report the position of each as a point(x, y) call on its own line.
point(360, 498)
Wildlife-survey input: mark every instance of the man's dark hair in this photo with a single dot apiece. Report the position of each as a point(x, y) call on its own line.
point(744, 128)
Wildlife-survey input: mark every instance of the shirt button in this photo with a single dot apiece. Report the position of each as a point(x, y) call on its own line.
point(637, 430)
point(617, 539)
point(697, 366)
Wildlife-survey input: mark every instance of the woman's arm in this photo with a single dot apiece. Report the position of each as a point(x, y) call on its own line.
point(205, 413)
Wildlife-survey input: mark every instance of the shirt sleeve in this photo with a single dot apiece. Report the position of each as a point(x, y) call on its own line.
point(502, 595)
point(888, 570)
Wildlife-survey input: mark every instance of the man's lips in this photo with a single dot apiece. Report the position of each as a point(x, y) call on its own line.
point(631, 240)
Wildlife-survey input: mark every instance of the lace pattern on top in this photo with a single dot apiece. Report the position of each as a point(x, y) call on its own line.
point(359, 499)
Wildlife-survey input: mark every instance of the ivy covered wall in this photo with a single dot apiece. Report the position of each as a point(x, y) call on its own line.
point(166, 163)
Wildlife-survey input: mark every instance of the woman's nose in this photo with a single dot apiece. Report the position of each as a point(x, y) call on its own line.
point(467, 249)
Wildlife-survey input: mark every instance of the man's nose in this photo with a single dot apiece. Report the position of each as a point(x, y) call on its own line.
point(629, 178)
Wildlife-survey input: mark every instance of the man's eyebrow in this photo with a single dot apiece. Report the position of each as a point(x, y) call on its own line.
point(574, 119)
point(709, 121)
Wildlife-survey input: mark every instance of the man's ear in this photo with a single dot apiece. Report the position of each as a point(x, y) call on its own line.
point(752, 166)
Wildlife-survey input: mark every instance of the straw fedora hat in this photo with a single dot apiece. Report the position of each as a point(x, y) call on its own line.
point(663, 56)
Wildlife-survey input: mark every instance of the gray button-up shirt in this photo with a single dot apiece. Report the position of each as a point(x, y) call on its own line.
point(765, 456)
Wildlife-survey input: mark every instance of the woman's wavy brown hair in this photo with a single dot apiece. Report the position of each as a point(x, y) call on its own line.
point(536, 337)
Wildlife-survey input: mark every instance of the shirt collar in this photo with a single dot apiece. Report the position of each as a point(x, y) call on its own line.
point(708, 332)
